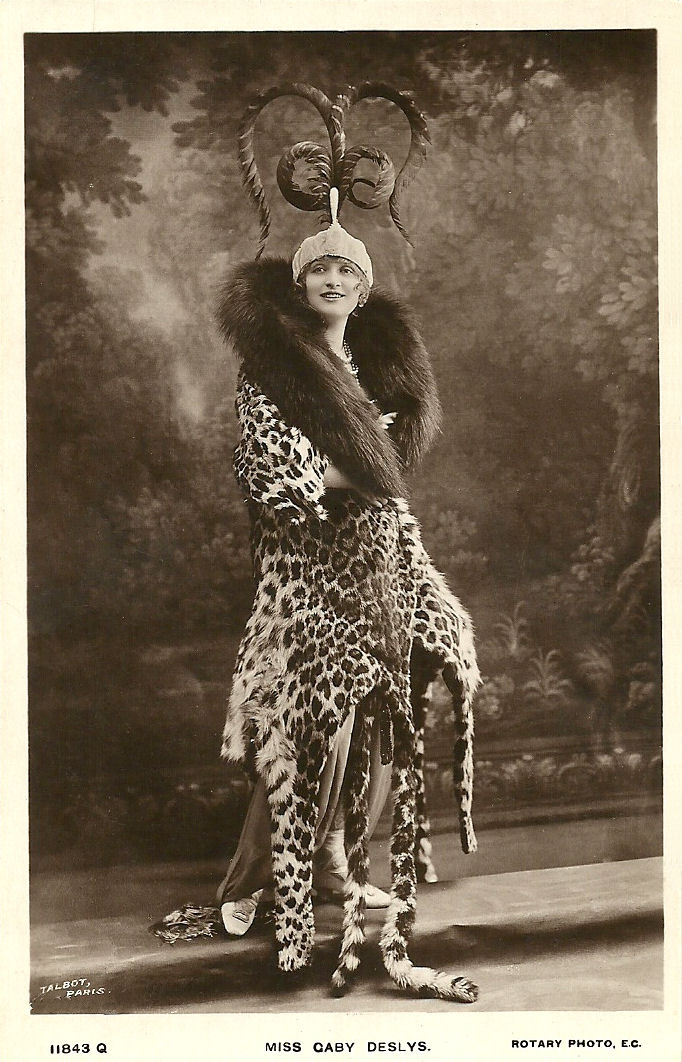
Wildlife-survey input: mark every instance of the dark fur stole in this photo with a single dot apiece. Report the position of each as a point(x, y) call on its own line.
point(281, 347)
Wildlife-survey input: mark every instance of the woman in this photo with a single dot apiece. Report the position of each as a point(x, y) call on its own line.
point(350, 622)
point(335, 287)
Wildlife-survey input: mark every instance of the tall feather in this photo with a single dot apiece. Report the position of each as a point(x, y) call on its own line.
point(250, 175)
point(337, 169)
point(419, 138)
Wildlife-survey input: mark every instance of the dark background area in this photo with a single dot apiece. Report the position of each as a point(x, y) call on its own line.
point(533, 272)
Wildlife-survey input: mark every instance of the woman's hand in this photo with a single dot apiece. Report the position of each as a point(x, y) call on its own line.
point(335, 479)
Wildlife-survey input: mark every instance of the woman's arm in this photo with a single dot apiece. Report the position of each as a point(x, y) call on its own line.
point(274, 463)
point(335, 479)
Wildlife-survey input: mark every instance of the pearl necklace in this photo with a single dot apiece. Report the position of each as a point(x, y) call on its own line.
point(347, 359)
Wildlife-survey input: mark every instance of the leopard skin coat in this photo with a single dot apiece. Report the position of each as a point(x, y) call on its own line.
point(348, 609)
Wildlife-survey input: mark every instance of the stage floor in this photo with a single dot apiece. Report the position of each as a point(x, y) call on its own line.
point(586, 938)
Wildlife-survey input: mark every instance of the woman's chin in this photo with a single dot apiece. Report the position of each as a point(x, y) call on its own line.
point(332, 311)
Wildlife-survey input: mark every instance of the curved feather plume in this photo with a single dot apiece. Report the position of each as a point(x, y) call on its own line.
point(321, 171)
point(383, 185)
point(313, 192)
point(337, 139)
point(250, 175)
point(419, 138)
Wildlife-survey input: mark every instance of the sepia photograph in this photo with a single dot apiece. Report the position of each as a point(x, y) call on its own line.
point(343, 515)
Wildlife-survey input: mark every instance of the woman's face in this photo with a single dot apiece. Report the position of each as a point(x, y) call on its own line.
point(333, 287)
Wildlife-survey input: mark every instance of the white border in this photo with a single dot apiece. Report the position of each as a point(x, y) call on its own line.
point(473, 1036)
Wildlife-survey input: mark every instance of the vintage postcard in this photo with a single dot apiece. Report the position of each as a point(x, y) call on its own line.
point(340, 572)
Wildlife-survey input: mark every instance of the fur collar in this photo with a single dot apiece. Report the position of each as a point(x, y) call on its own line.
point(281, 347)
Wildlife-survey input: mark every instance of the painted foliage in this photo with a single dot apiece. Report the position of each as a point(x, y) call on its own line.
point(533, 271)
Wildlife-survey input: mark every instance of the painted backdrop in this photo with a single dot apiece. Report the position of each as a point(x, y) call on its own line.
point(533, 270)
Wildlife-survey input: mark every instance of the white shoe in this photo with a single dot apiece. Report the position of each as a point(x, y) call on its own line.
point(376, 898)
point(331, 870)
point(238, 915)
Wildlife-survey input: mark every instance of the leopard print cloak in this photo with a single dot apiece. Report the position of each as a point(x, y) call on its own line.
point(348, 608)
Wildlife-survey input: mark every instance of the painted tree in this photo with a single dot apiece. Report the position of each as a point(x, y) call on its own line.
point(107, 446)
point(533, 271)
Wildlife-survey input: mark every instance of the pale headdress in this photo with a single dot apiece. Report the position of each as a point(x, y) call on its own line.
point(333, 242)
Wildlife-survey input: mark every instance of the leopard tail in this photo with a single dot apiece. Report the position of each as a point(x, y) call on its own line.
point(417, 980)
point(421, 699)
point(463, 764)
point(292, 868)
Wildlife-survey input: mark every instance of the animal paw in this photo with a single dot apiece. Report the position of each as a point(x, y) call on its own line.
point(464, 989)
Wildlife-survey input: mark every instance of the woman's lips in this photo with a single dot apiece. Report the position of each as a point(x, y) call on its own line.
point(331, 295)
